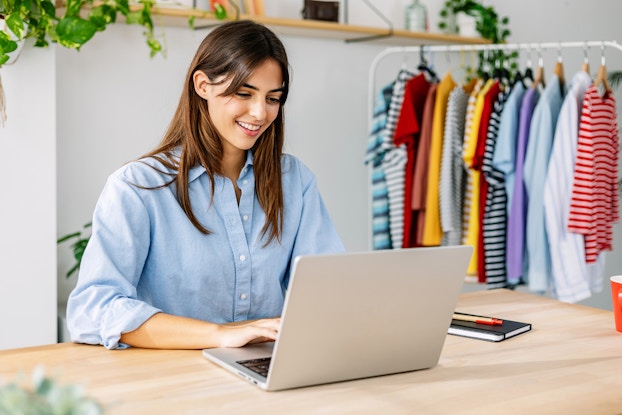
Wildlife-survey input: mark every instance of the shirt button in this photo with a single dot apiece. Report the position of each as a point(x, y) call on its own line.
point(245, 217)
point(242, 257)
point(243, 297)
point(245, 181)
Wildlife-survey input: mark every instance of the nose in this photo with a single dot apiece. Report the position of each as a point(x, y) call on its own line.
point(258, 109)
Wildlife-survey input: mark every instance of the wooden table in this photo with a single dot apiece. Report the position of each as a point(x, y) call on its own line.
point(570, 363)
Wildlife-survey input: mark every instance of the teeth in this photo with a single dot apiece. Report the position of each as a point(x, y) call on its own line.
point(249, 126)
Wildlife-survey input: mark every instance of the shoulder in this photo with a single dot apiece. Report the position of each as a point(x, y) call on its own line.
point(294, 169)
point(145, 172)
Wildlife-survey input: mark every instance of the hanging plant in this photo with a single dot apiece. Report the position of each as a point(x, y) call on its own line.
point(37, 19)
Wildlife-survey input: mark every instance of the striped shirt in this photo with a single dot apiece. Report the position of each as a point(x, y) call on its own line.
point(376, 149)
point(451, 185)
point(570, 275)
point(594, 203)
point(495, 217)
point(394, 162)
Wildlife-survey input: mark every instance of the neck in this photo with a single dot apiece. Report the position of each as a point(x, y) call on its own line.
point(232, 165)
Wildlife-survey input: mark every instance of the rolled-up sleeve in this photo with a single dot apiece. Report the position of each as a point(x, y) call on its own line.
point(104, 303)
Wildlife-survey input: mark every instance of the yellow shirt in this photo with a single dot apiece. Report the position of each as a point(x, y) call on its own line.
point(470, 145)
point(432, 230)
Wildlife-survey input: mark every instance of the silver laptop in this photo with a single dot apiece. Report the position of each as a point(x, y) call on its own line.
point(356, 315)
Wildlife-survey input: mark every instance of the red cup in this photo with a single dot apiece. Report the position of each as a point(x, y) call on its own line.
point(616, 300)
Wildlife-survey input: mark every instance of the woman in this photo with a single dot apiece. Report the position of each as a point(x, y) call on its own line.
point(192, 245)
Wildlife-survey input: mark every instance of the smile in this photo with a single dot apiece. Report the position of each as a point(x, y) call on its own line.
point(250, 127)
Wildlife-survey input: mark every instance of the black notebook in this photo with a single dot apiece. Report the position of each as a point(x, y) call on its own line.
point(497, 333)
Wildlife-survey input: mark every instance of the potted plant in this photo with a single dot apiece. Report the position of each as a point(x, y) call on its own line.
point(487, 24)
point(46, 396)
point(81, 20)
point(78, 246)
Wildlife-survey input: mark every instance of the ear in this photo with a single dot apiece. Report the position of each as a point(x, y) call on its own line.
point(201, 84)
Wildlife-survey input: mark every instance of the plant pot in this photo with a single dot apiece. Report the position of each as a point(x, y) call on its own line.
point(20, 43)
point(466, 25)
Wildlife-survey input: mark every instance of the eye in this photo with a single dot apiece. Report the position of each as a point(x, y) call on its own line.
point(274, 100)
point(243, 94)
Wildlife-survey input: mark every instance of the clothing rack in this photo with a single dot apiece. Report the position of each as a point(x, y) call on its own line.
point(480, 47)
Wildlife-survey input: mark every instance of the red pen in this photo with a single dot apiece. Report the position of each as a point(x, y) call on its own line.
point(491, 321)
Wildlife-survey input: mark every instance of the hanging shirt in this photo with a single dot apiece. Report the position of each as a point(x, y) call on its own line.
point(470, 147)
point(594, 206)
point(468, 187)
point(407, 133)
point(420, 176)
point(517, 212)
point(451, 185)
point(145, 256)
point(570, 274)
point(376, 149)
point(394, 162)
point(504, 158)
point(478, 159)
point(432, 231)
point(494, 223)
point(536, 163)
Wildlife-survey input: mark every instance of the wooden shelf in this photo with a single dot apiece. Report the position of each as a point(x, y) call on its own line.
point(168, 16)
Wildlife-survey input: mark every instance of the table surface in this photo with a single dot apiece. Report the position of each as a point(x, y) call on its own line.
point(570, 363)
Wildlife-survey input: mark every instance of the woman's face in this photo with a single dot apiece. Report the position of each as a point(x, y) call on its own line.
point(241, 118)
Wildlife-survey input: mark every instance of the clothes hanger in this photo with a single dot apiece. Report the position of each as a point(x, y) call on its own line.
point(424, 66)
point(559, 71)
point(585, 67)
point(528, 71)
point(539, 78)
point(485, 66)
point(601, 78)
point(559, 67)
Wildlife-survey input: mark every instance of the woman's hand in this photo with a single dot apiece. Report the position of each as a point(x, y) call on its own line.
point(256, 331)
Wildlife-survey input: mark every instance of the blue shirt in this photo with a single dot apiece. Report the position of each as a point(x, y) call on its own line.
point(144, 255)
point(541, 136)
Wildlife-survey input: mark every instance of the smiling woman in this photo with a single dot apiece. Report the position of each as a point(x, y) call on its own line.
point(201, 232)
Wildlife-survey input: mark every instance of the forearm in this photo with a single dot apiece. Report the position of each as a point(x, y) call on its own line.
point(165, 331)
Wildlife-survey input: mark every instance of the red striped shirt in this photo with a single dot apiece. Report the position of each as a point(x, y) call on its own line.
point(594, 204)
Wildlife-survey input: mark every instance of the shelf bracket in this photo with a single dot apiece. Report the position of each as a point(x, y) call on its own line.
point(374, 37)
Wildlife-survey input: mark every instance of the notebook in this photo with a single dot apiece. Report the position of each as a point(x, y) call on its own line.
point(357, 315)
point(497, 333)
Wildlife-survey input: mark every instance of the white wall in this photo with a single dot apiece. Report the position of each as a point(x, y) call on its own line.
point(114, 103)
point(28, 202)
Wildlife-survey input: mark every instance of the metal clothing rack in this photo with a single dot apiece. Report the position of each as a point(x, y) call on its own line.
point(530, 47)
point(479, 47)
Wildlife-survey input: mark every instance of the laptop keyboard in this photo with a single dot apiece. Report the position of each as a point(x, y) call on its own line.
point(259, 366)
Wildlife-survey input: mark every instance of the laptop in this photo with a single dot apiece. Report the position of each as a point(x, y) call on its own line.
point(356, 315)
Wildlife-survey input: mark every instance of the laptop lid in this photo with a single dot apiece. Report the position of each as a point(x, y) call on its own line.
point(356, 315)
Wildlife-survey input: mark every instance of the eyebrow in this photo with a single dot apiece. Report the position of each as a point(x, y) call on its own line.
point(281, 89)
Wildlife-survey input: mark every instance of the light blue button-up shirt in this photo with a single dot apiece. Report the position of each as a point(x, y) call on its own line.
point(145, 256)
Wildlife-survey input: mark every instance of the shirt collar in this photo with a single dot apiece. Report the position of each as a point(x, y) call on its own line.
point(198, 170)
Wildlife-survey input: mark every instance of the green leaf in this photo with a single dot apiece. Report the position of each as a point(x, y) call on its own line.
point(48, 7)
point(220, 11)
point(72, 7)
point(102, 15)
point(68, 236)
point(74, 31)
point(16, 25)
point(123, 6)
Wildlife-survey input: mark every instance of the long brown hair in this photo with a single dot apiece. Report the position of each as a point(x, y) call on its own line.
point(234, 50)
